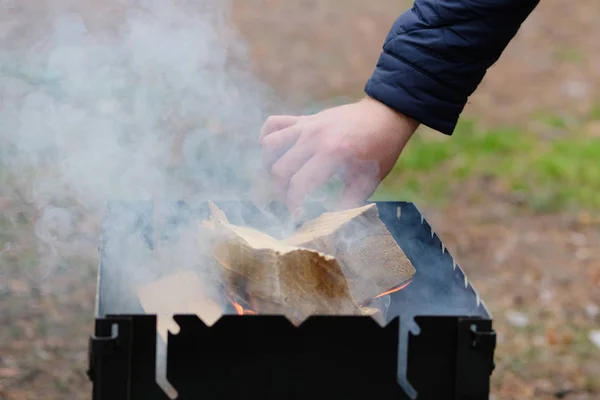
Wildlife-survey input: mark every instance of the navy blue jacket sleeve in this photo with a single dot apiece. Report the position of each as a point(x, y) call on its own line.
point(438, 52)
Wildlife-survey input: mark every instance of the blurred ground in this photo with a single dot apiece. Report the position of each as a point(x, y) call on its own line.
point(520, 215)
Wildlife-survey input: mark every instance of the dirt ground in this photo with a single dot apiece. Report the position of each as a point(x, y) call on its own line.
point(538, 274)
point(309, 46)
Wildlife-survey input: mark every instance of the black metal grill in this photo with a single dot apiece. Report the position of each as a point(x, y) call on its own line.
point(438, 342)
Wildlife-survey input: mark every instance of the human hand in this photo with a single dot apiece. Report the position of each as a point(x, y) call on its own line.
point(359, 142)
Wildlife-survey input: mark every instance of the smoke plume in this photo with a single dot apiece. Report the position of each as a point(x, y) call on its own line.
point(130, 100)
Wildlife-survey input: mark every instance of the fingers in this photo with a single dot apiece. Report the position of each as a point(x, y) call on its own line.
point(276, 123)
point(277, 143)
point(284, 169)
point(315, 173)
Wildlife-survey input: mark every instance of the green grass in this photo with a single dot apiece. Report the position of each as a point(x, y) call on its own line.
point(595, 113)
point(549, 175)
point(553, 121)
point(569, 55)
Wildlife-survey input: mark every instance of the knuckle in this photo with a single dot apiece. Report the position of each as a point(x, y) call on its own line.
point(312, 130)
point(278, 171)
point(309, 126)
point(268, 143)
point(305, 137)
point(295, 182)
point(304, 119)
point(335, 149)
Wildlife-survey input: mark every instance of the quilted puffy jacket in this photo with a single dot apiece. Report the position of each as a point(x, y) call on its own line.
point(438, 52)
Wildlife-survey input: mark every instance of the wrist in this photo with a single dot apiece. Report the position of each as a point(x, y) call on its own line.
point(403, 123)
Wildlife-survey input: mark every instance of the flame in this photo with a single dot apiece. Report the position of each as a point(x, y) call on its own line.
point(241, 310)
point(238, 308)
point(394, 290)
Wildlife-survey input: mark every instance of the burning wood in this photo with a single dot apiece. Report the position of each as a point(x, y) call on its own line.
point(329, 266)
point(372, 260)
point(332, 265)
point(279, 278)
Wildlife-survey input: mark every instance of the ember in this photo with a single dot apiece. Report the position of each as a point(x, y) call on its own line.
point(394, 290)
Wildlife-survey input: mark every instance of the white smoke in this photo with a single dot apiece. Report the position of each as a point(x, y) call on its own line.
point(126, 100)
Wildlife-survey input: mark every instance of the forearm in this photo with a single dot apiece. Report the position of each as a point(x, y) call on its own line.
point(437, 53)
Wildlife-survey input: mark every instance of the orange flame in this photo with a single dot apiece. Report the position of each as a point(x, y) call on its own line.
point(240, 310)
point(394, 290)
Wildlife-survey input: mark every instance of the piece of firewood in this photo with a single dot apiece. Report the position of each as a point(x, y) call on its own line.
point(371, 259)
point(279, 278)
point(374, 313)
point(179, 293)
